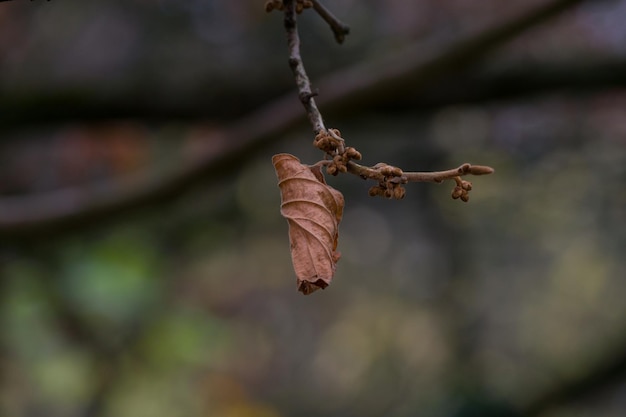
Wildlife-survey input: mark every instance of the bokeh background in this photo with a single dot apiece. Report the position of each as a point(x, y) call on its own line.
point(184, 303)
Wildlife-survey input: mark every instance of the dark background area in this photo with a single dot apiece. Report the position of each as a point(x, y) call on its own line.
point(144, 265)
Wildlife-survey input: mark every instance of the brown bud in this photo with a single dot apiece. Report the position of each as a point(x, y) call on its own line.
point(342, 168)
point(465, 197)
point(269, 6)
point(331, 169)
point(375, 190)
point(336, 132)
point(353, 153)
point(387, 170)
point(399, 192)
point(388, 193)
point(457, 192)
point(481, 170)
point(466, 185)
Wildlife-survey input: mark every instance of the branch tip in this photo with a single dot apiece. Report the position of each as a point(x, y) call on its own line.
point(340, 29)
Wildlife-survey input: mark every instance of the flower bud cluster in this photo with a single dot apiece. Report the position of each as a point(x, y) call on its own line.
point(461, 190)
point(332, 143)
point(390, 186)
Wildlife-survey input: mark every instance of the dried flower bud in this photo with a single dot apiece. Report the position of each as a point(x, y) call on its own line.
point(466, 185)
point(319, 137)
point(388, 193)
point(331, 169)
point(335, 132)
point(465, 197)
point(375, 191)
point(396, 172)
point(457, 192)
point(399, 192)
point(386, 170)
point(353, 153)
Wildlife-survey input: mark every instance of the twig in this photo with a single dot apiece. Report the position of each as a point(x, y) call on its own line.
point(339, 28)
point(390, 179)
point(436, 176)
point(297, 67)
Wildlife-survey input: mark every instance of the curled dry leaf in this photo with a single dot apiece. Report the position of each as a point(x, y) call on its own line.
point(313, 210)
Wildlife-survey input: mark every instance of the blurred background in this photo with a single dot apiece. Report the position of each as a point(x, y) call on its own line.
point(144, 265)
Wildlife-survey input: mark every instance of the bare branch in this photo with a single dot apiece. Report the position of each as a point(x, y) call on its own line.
point(390, 179)
point(295, 62)
point(339, 28)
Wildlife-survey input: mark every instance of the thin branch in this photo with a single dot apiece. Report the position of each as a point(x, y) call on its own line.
point(297, 67)
point(330, 141)
point(52, 214)
point(339, 28)
point(436, 176)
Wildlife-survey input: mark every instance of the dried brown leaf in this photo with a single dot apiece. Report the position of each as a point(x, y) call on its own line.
point(313, 210)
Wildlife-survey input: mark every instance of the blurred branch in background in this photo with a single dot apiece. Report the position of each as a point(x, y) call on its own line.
point(66, 210)
point(608, 373)
point(477, 84)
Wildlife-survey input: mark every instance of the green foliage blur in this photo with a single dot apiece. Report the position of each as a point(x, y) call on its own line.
point(189, 308)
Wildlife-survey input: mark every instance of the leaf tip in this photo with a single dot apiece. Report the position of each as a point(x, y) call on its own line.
point(307, 287)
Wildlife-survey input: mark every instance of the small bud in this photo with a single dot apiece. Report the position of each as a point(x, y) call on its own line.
point(342, 168)
point(388, 193)
point(466, 185)
point(269, 6)
point(336, 132)
point(481, 170)
point(399, 192)
point(465, 197)
point(353, 153)
point(375, 191)
point(331, 169)
point(457, 192)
